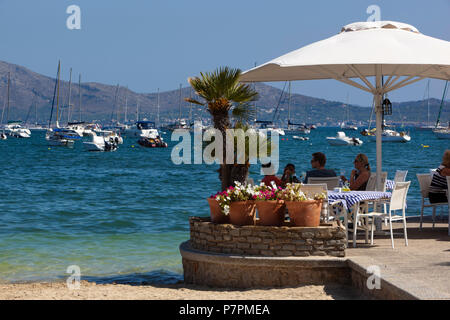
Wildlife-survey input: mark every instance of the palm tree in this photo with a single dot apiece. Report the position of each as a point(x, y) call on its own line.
point(222, 92)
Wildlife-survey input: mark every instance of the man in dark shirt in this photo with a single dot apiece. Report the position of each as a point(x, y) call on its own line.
point(318, 163)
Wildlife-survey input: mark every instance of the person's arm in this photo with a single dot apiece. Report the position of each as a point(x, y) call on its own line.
point(356, 183)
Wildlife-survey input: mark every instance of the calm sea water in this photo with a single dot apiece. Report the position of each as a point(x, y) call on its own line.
point(121, 216)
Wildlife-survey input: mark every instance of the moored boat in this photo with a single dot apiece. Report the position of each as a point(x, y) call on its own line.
point(342, 140)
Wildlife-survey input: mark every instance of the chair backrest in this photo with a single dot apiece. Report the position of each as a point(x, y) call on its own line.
point(424, 183)
point(311, 189)
point(398, 198)
point(372, 182)
point(400, 175)
point(331, 182)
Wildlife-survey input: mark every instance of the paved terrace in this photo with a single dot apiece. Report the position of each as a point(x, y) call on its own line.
point(422, 269)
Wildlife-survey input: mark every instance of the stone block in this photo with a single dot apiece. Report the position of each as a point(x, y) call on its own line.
point(243, 245)
point(259, 246)
point(267, 253)
point(318, 253)
point(226, 237)
point(301, 253)
point(290, 247)
point(307, 235)
point(254, 239)
point(283, 253)
point(235, 233)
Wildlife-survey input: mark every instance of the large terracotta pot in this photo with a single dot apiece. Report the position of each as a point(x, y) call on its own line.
point(305, 213)
point(271, 212)
point(242, 212)
point(217, 216)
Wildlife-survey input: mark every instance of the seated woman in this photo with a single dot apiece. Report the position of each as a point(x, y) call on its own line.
point(269, 176)
point(438, 187)
point(361, 174)
point(289, 175)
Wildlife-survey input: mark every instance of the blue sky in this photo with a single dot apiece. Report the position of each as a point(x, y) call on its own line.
point(159, 44)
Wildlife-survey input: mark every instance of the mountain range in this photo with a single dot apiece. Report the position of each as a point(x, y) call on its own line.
point(31, 96)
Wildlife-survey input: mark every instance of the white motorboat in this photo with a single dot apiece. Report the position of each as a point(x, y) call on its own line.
point(104, 140)
point(389, 135)
point(300, 138)
point(342, 140)
point(61, 137)
point(14, 129)
point(442, 133)
point(346, 126)
point(143, 129)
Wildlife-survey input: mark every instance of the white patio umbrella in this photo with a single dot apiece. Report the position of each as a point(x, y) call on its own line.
point(362, 50)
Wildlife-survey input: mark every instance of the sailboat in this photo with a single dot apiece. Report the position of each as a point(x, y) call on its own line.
point(294, 128)
point(345, 125)
point(13, 128)
point(180, 123)
point(59, 136)
point(441, 133)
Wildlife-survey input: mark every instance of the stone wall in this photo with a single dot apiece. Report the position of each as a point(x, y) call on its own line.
point(325, 240)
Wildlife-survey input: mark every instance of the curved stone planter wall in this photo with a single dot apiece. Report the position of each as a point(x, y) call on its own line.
point(326, 240)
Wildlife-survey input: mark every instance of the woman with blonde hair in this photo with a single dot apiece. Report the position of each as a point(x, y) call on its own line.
point(361, 174)
point(438, 187)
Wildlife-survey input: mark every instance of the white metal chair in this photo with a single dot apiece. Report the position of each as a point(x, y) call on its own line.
point(397, 202)
point(372, 182)
point(332, 182)
point(330, 211)
point(400, 175)
point(424, 182)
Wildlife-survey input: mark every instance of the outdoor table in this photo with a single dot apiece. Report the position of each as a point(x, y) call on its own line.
point(351, 200)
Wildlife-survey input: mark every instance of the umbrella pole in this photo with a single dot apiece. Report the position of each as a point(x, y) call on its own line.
point(378, 96)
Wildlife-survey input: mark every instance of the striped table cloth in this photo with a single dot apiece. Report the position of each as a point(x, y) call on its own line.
point(351, 197)
point(390, 184)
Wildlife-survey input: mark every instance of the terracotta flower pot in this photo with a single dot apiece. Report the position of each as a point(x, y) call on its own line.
point(242, 212)
point(305, 213)
point(217, 216)
point(270, 212)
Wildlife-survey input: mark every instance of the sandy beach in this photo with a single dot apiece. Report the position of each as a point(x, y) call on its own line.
point(92, 291)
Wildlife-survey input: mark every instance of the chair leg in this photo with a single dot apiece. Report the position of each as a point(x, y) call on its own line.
point(371, 231)
point(366, 228)
point(392, 234)
point(421, 216)
point(346, 227)
point(404, 230)
point(434, 215)
point(355, 227)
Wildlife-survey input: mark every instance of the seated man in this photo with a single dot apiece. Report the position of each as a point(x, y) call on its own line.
point(318, 163)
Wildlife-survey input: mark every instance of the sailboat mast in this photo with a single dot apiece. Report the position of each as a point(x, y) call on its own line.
point(289, 107)
point(57, 97)
point(179, 116)
point(428, 103)
point(157, 123)
point(442, 103)
point(79, 93)
point(137, 111)
point(126, 105)
point(70, 93)
point(7, 110)
point(54, 94)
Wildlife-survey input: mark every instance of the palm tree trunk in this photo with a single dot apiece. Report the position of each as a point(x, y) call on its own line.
point(222, 122)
